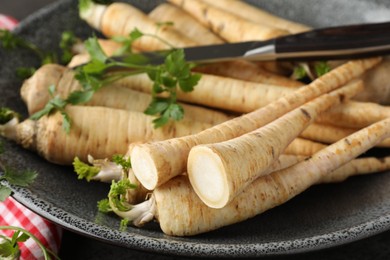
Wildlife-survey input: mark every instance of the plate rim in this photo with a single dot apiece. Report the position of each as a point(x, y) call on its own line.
point(164, 245)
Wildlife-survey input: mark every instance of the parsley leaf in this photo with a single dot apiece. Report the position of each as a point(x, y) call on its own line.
point(5, 192)
point(123, 224)
point(104, 206)
point(321, 68)
point(6, 115)
point(22, 179)
point(95, 50)
point(84, 170)
point(55, 104)
point(305, 70)
point(68, 39)
point(176, 72)
point(125, 163)
point(78, 97)
point(8, 249)
point(173, 74)
point(10, 41)
point(158, 105)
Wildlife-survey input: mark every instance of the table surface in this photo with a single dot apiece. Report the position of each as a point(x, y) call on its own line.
point(75, 246)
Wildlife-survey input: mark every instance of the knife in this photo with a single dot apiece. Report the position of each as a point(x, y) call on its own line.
point(341, 42)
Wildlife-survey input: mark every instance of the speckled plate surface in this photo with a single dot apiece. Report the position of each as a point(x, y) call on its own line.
point(324, 216)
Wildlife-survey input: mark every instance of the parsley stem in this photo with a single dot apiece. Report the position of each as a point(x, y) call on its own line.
point(111, 77)
point(120, 64)
point(46, 251)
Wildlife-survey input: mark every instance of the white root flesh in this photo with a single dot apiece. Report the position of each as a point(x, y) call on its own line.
point(213, 171)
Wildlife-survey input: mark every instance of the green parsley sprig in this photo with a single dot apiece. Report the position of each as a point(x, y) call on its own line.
point(56, 103)
point(170, 76)
point(102, 169)
point(14, 177)
point(117, 199)
point(9, 248)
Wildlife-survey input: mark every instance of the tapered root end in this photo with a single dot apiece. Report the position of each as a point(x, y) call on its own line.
point(23, 133)
point(9, 129)
point(144, 168)
point(208, 177)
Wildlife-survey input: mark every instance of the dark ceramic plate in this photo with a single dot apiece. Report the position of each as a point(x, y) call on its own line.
point(324, 216)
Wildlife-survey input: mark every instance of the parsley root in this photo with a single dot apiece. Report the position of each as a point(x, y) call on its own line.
point(92, 133)
point(355, 114)
point(329, 134)
point(377, 84)
point(247, 71)
point(304, 147)
point(228, 26)
point(161, 161)
point(233, 94)
point(120, 19)
point(257, 15)
point(184, 23)
point(35, 90)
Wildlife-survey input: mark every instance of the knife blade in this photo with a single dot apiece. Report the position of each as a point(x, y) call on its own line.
point(341, 42)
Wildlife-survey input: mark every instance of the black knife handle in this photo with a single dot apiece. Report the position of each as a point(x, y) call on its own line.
point(332, 42)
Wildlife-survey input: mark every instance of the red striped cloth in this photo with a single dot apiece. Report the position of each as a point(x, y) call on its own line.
point(15, 214)
point(12, 213)
point(7, 22)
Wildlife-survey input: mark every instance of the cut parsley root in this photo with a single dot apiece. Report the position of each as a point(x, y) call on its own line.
point(177, 200)
point(120, 19)
point(213, 170)
point(123, 194)
point(184, 23)
point(97, 131)
point(228, 26)
point(35, 93)
point(156, 163)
